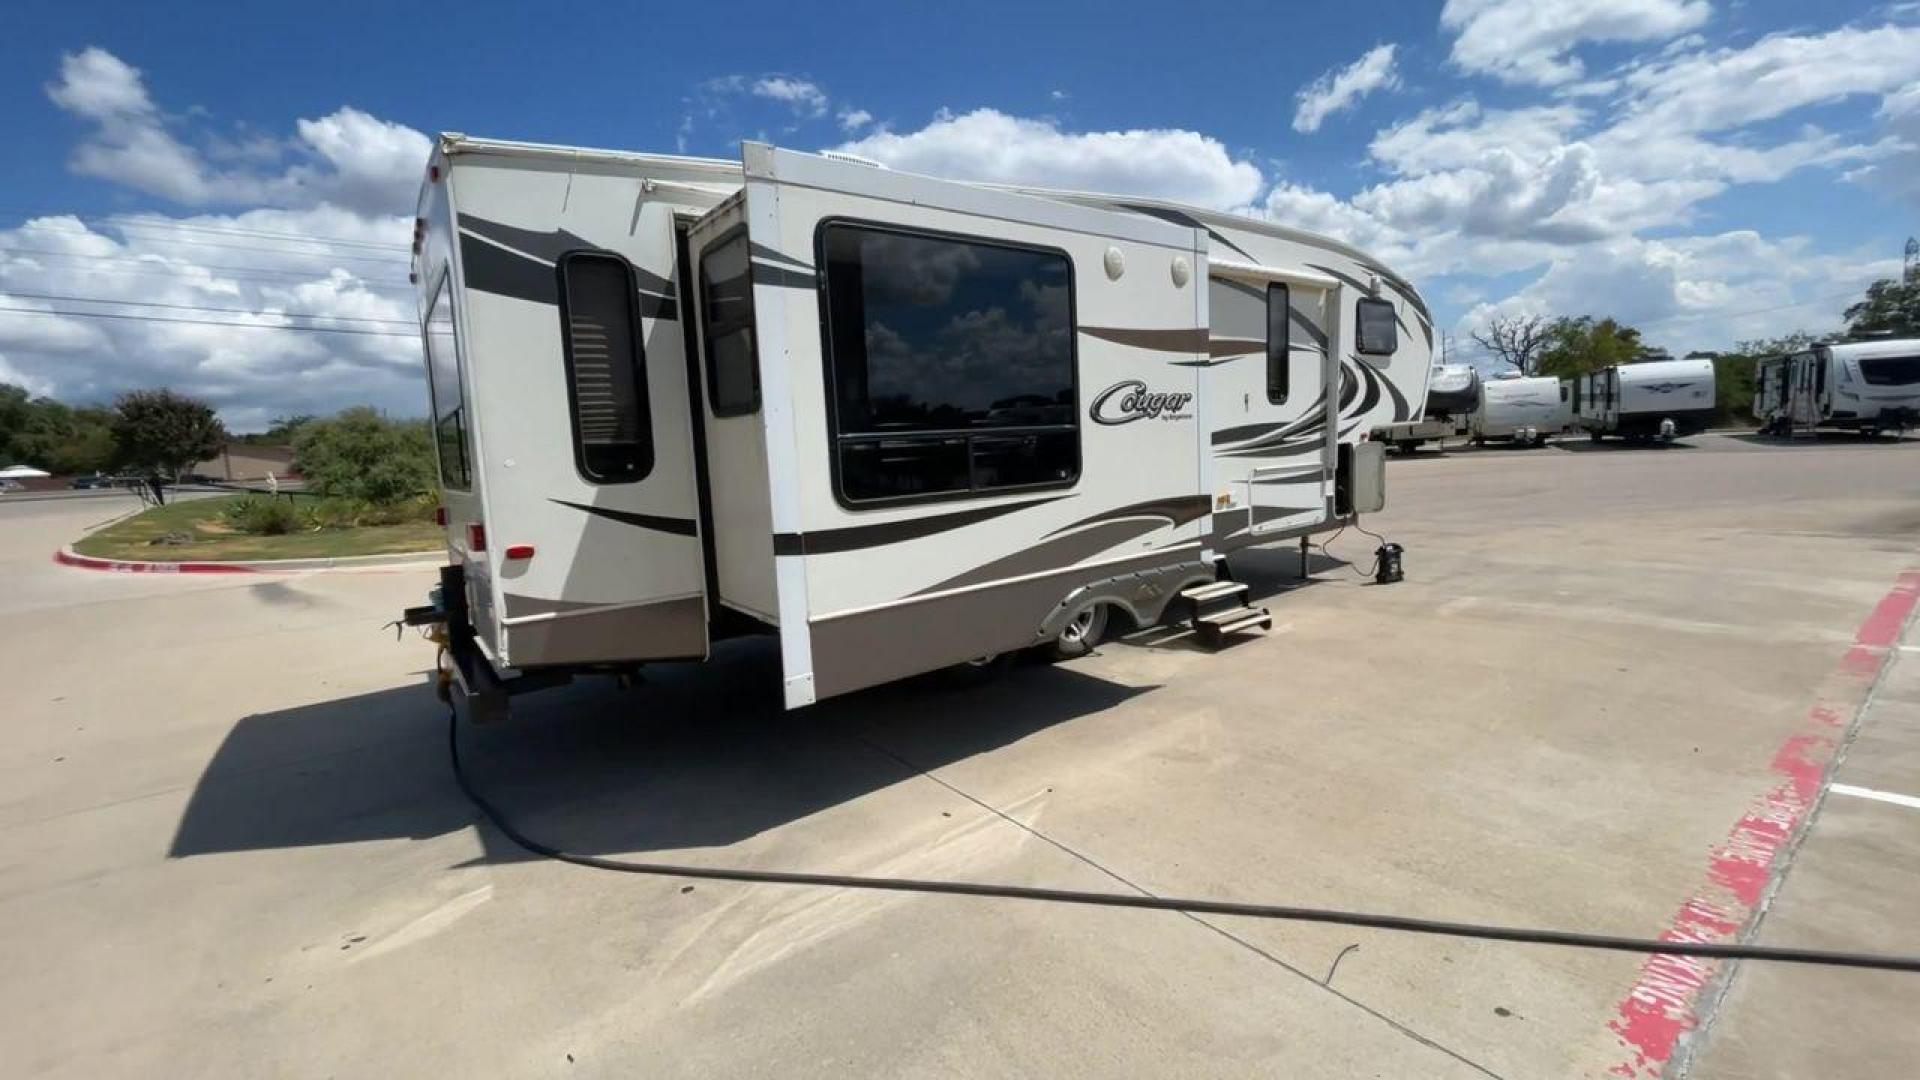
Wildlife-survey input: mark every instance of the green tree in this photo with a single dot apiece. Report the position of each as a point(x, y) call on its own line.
point(15, 407)
point(1577, 346)
point(363, 455)
point(159, 433)
point(65, 440)
point(1891, 306)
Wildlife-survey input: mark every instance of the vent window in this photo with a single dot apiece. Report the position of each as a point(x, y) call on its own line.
point(606, 368)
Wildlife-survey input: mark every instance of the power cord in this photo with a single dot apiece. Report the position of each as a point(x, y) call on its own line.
point(1354, 523)
point(1408, 924)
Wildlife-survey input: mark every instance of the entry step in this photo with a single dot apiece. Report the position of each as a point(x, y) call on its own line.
point(1219, 608)
point(1213, 628)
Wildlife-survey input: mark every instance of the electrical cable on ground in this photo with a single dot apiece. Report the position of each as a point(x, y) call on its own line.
point(1354, 521)
point(1408, 924)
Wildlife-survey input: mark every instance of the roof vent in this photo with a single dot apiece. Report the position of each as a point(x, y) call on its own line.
point(851, 159)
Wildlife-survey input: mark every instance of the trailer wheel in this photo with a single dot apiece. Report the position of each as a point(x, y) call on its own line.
point(1082, 632)
point(1594, 435)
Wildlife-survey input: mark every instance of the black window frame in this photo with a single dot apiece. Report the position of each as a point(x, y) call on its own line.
point(1360, 342)
point(751, 324)
point(836, 437)
point(1280, 352)
point(458, 415)
point(643, 399)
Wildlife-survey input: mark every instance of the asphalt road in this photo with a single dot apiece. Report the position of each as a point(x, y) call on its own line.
point(229, 843)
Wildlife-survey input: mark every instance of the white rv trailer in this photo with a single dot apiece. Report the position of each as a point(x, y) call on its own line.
point(1453, 393)
point(900, 423)
point(1523, 409)
point(1871, 386)
point(1645, 400)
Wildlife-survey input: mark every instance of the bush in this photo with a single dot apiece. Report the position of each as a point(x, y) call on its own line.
point(366, 458)
point(344, 513)
point(261, 516)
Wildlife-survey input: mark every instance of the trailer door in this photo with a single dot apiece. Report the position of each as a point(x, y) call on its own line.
point(966, 406)
point(1273, 424)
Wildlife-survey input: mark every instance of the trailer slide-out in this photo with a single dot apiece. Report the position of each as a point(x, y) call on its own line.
point(896, 423)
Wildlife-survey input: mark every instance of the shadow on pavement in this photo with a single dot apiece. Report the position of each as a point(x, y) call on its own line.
point(1823, 438)
point(699, 756)
point(1611, 445)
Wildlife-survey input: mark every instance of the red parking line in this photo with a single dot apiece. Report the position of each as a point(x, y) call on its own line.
point(1659, 1008)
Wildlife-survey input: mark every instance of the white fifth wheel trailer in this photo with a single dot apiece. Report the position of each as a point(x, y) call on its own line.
point(1646, 400)
point(898, 423)
point(1521, 409)
point(1453, 393)
point(1871, 386)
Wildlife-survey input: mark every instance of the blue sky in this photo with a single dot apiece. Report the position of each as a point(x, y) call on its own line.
point(1710, 169)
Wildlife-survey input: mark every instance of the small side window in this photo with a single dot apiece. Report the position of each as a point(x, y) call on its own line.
point(606, 368)
point(726, 328)
point(1279, 343)
point(1379, 332)
point(1563, 393)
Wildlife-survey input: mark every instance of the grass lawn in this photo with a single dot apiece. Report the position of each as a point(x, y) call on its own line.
point(214, 541)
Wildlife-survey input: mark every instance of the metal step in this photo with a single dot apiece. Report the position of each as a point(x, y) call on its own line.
point(1213, 628)
point(1200, 594)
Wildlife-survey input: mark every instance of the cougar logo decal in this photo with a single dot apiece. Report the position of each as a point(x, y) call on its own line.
point(1125, 402)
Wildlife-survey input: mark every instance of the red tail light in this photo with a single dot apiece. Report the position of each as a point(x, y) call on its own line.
point(440, 516)
point(476, 536)
point(519, 551)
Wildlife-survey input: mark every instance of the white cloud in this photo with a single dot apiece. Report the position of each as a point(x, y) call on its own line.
point(852, 120)
point(989, 145)
point(1532, 41)
point(804, 97)
point(173, 271)
point(346, 157)
point(1700, 291)
point(219, 304)
point(1899, 171)
point(1726, 88)
point(1341, 89)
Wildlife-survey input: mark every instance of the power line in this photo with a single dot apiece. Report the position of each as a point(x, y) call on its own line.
point(121, 221)
point(213, 322)
point(4, 292)
point(260, 248)
point(250, 271)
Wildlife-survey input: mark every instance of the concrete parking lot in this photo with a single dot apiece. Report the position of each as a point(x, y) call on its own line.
point(1615, 693)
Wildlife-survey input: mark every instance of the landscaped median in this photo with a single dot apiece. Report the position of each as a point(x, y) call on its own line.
point(255, 532)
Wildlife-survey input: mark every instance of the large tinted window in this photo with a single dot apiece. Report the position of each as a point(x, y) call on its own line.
point(951, 362)
point(1379, 332)
point(726, 312)
point(606, 368)
point(1891, 370)
point(443, 383)
point(1279, 343)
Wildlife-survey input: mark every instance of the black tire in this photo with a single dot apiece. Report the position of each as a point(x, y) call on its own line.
point(1082, 633)
point(1594, 435)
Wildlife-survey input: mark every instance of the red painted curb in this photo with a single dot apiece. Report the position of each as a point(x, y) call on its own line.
point(1660, 1008)
point(116, 566)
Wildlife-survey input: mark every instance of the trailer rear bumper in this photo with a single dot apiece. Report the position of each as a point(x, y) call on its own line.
point(469, 681)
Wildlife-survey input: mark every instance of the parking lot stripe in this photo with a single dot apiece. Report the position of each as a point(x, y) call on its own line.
point(1742, 871)
point(1908, 801)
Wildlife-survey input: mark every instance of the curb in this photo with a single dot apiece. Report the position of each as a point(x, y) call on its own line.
point(405, 560)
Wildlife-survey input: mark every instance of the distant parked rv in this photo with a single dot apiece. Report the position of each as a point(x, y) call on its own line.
point(1525, 410)
point(1655, 399)
point(1867, 386)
